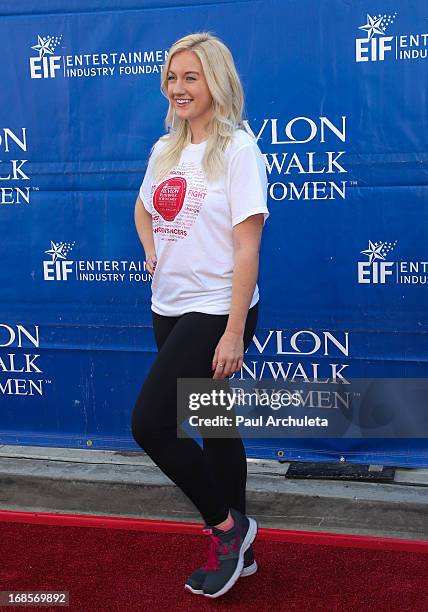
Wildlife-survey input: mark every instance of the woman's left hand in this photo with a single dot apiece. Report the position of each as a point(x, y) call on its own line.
point(228, 355)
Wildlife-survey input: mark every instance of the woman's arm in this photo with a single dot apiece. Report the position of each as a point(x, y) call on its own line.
point(143, 223)
point(246, 245)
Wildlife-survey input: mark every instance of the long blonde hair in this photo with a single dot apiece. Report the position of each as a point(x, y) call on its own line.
point(228, 106)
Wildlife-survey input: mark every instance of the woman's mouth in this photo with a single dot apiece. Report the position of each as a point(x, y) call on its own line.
point(183, 101)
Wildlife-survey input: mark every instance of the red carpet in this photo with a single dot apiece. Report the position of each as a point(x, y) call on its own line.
point(110, 564)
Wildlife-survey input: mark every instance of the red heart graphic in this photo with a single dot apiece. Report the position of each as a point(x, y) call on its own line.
point(168, 197)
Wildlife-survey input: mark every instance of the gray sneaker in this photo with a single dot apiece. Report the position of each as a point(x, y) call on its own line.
point(226, 554)
point(196, 580)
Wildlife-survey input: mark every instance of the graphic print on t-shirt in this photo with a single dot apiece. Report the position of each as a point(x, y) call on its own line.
point(169, 197)
point(177, 201)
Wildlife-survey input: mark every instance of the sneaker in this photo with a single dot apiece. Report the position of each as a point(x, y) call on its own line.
point(196, 580)
point(226, 554)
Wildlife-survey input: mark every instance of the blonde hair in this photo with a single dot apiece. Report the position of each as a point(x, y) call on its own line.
point(228, 106)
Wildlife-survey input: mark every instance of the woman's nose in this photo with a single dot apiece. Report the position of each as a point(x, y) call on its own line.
point(178, 87)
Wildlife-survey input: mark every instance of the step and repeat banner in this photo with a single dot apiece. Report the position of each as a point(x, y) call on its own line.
point(336, 97)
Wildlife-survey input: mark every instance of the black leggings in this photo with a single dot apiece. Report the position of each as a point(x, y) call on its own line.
point(213, 478)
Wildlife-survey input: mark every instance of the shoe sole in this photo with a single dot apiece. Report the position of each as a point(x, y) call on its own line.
point(249, 570)
point(248, 540)
point(246, 571)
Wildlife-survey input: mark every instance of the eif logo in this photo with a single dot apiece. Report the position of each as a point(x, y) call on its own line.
point(374, 47)
point(45, 66)
point(376, 270)
point(59, 268)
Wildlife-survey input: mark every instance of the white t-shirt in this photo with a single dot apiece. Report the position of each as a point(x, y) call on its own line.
point(192, 225)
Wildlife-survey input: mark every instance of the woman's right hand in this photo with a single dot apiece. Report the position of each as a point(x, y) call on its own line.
point(151, 261)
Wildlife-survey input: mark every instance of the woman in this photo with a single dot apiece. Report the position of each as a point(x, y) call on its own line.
point(199, 215)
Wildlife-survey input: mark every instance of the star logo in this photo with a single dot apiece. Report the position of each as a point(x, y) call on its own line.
point(43, 46)
point(56, 251)
point(46, 45)
point(59, 250)
point(378, 250)
point(372, 27)
point(377, 24)
point(374, 251)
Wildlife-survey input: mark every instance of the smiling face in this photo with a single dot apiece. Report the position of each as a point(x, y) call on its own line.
point(186, 81)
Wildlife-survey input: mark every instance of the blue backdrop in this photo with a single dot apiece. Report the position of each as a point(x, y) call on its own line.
point(336, 95)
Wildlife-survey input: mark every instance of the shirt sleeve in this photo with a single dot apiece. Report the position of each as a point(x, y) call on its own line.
point(146, 185)
point(247, 184)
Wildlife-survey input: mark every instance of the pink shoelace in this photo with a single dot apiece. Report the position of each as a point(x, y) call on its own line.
point(216, 545)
